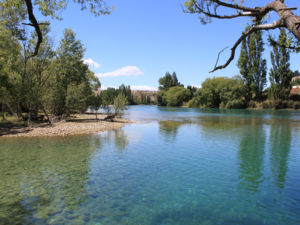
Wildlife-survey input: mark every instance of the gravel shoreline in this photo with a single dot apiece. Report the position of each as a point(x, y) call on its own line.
point(85, 124)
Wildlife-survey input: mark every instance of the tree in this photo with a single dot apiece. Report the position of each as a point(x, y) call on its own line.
point(120, 103)
point(209, 9)
point(165, 83)
point(175, 96)
point(168, 81)
point(126, 91)
point(252, 65)
point(220, 92)
point(280, 74)
point(16, 12)
point(95, 102)
point(74, 82)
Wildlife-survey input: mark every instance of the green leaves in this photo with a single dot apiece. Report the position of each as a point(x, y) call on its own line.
point(280, 73)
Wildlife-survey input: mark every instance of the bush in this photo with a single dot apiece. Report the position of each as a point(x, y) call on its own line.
point(120, 103)
point(296, 105)
point(268, 104)
point(175, 96)
point(236, 104)
point(252, 104)
point(278, 104)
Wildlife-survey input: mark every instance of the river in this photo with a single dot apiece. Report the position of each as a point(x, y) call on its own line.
point(176, 166)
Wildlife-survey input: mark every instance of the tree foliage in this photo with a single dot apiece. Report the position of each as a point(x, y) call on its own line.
point(220, 92)
point(54, 82)
point(175, 96)
point(16, 13)
point(280, 73)
point(252, 66)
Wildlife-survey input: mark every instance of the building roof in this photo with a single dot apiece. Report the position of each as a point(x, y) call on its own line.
point(295, 78)
point(295, 90)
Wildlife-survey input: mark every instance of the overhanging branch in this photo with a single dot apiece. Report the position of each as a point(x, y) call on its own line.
point(274, 25)
point(36, 26)
point(240, 14)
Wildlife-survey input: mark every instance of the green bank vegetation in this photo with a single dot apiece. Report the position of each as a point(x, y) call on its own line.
point(52, 85)
point(247, 90)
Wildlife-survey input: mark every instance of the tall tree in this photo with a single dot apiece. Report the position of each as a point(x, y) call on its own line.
point(168, 81)
point(280, 74)
point(218, 9)
point(72, 76)
point(252, 65)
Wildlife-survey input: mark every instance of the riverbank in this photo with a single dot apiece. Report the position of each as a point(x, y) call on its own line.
point(76, 125)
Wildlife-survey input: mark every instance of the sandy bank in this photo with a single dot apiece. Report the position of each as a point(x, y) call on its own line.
point(78, 125)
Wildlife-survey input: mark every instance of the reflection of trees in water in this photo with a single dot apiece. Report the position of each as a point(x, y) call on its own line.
point(41, 177)
point(118, 137)
point(280, 140)
point(227, 122)
point(169, 128)
point(251, 156)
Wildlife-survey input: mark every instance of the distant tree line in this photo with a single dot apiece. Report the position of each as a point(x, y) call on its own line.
point(243, 91)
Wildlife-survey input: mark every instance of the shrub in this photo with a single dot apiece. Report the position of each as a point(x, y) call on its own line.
point(175, 96)
point(236, 104)
point(296, 105)
point(268, 104)
point(252, 104)
point(120, 103)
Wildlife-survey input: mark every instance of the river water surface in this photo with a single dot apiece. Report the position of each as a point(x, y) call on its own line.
point(177, 166)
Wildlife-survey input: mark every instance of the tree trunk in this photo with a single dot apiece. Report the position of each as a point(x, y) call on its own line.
point(45, 112)
point(2, 108)
point(10, 109)
point(289, 19)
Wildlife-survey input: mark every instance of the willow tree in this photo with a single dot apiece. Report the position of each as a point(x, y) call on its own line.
point(216, 9)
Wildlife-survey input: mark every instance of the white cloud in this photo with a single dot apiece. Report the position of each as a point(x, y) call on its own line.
point(124, 71)
point(143, 88)
point(91, 62)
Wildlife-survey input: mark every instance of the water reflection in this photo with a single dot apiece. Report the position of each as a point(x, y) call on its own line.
point(280, 140)
point(251, 156)
point(118, 137)
point(169, 129)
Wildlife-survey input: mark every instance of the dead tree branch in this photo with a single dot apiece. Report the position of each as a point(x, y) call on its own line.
point(274, 25)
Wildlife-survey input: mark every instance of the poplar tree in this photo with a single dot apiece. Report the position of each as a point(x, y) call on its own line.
point(280, 75)
point(252, 66)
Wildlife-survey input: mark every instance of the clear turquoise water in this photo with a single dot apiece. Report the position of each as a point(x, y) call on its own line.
point(178, 166)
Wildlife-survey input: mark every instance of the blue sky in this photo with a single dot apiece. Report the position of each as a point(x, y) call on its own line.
point(141, 40)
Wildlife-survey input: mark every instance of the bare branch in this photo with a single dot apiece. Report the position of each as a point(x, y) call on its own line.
point(240, 14)
point(219, 56)
point(292, 8)
point(274, 25)
point(30, 24)
point(239, 7)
